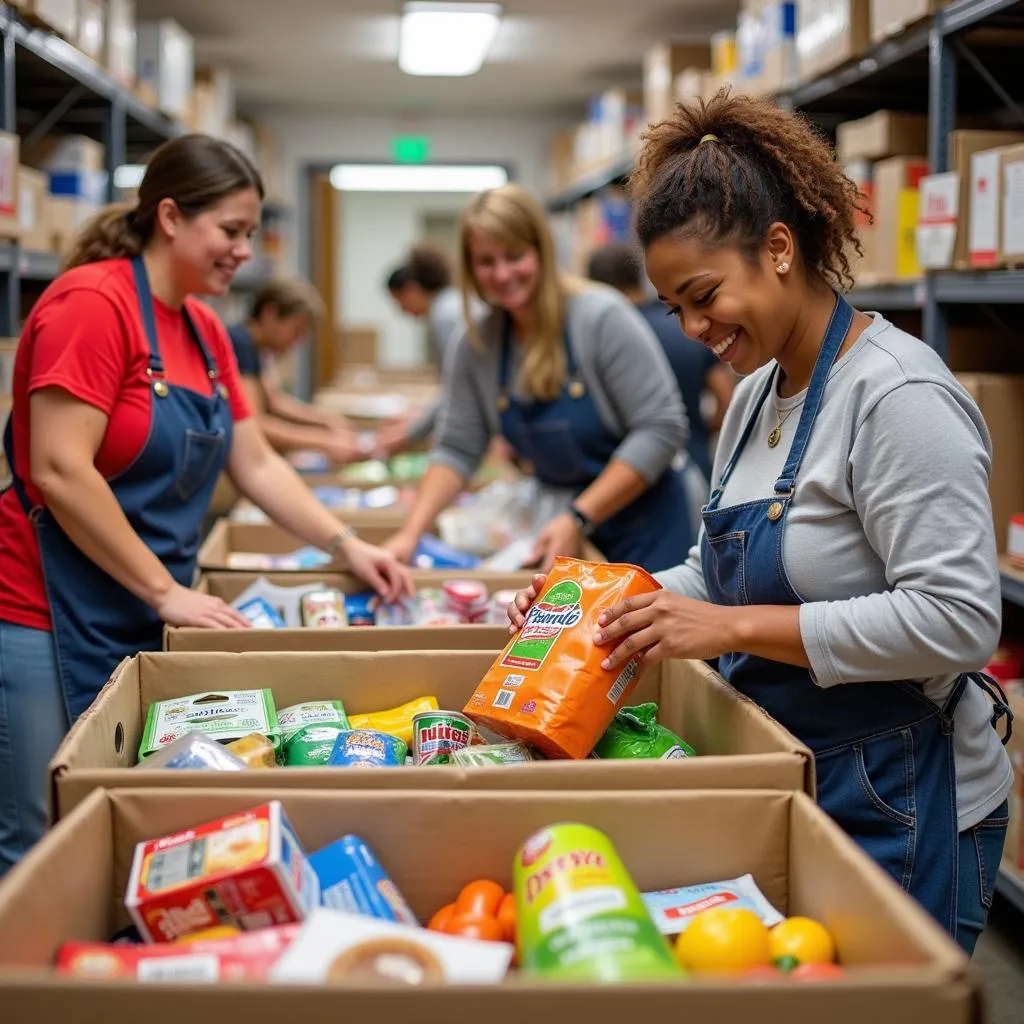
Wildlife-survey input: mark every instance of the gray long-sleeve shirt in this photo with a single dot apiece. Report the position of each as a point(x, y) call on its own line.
point(445, 324)
point(889, 539)
point(619, 361)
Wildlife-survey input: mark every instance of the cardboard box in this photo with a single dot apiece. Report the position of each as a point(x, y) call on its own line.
point(33, 210)
point(779, 65)
point(1000, 396)
point(91, 32)
point(122, 40)
point(662, 63)
point(8, 351)
point(902, 967)
point(891, 17)
point(166, 63)
point(738, 745)
point(212, 107)
point(59, 154)
point(60, 15)
point(881, 135)
point(228, 586)
point(897, 201)
point(985, 211)
point(1011, 236)
point(10, 224)
point(358, 345)
point(830, 33)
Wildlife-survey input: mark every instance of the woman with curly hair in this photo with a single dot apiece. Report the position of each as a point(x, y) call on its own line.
point(846, 571)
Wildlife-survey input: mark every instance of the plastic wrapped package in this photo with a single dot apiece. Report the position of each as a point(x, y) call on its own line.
point(195, 750)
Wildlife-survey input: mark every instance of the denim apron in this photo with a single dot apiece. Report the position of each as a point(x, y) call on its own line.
point(883, 750)
point(164, 493)
point(569, 446)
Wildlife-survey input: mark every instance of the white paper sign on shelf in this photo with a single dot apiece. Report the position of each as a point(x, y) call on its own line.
point(1013, 209)
point(937, 220)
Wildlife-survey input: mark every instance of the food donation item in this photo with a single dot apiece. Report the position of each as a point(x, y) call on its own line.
point(246, 957)
point(396, 721)
point(724, 940)
point(482, 910)
point(437, 735)
point(579, 915)
point(311, 746)
point(466, 598)
point(366, 748)
point(223, 715)
point(359, 609)
point(324, 609)
point(636, 733)
point(261, 613)
point(255, 750)
point(351, 879)
point(349, 948)
point(493, 753)
point(247, 870)
point(194, 750)
point(673, 909)
point(311, 712)
point(547, 687)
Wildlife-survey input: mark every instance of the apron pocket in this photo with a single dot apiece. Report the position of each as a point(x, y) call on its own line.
point(200, 462)
point(729, 559)
point(988, 838)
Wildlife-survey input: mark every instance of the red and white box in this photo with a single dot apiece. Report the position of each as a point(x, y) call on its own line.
point(248, 870)
point(1015, 540)
point(247, 957)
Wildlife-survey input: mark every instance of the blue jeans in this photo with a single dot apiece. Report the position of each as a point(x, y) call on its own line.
point(33, 722)
point(980, 850)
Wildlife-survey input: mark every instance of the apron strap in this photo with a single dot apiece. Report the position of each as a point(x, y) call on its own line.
point(16, 484)
point(744, 438)
point(505, 354)
point(835, 334)
point(1000, 703)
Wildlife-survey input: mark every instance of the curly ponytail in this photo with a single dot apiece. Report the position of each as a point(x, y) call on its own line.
point(106, 236)
point(729, 167)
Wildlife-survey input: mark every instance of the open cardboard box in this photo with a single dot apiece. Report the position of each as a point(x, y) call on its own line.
point(739, 745)
point(229, 585)
point(901, 966)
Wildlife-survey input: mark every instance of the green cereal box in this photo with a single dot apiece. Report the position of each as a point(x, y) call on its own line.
point(223, 715)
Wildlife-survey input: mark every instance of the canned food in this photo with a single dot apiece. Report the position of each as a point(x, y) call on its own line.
point(437, 735)
point(324, 609)
point(466, 598)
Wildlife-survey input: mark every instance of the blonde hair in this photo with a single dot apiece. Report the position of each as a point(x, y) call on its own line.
point(513, 217)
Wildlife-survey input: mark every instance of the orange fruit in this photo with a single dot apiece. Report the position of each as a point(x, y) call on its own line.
point(817, 972)
point(485, 929)
point(804, 939)
point(480, 898)
point(507, 917)
point(724, 940)
point(441, 918)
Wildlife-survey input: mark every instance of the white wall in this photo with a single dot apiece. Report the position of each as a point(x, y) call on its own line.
point(375, 230)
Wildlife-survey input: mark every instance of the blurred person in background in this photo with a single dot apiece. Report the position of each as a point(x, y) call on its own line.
point(284, 313)
point(127, 404)
point(574, 379)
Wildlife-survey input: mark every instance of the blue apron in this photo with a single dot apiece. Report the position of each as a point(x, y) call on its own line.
point(569, 445)
point(164, 493)
point(883, 750)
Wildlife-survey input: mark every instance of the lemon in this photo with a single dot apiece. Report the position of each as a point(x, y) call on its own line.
point(804, 939)
point(723, 940)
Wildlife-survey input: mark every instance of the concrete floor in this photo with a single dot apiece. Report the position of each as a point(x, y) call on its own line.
point(1000, 958)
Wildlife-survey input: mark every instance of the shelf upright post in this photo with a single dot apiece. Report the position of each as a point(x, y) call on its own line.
point(10, 287)
point(115, 140)
point(942, 96)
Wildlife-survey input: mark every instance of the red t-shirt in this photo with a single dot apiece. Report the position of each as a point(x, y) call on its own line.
point(85, 335)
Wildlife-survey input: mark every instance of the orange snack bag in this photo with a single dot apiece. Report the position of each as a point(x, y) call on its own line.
point(547, 687)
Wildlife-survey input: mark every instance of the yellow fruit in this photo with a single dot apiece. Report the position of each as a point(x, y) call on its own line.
point(804, 939)
point(723, 941)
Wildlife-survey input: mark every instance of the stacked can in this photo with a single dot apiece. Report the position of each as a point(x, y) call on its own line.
point(467, 599)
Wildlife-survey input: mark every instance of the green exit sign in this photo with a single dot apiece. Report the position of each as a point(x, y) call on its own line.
point(410, 149)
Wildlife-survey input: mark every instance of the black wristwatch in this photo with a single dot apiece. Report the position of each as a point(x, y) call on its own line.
point(583, 521)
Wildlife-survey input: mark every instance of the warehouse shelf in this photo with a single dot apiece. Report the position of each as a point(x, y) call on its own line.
point(591, 183)
point(1010, 886)
point(1012, 581)
point(889, 297)
point(997, 287)
point(965, 14)
point(32, 266)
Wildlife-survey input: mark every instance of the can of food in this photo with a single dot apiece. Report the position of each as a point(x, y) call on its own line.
point(437, 735)
point(324, 609)
point(311, 746)
point(365, 748)
point(579, 915)
point(493, 753)
point(465, 598)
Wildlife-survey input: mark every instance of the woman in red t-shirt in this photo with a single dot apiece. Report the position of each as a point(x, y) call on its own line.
point(127, 406)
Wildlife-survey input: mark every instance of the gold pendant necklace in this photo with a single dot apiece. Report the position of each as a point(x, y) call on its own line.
point(776, 433)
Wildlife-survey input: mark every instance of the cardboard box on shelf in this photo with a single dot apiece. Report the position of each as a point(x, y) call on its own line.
point(59, 15)
point(749, 43)
point(891, 17)
point(830, 33)
point(662, 63)
point(122, 41)
point(985, 210)
point(8, 349)
point(897, 200)
point(737, 744)
point(690, 84)
point(66, 154)
point(66, 215)
point(10, 223)
point(1011, 237)
point(213, 101)
point(33, 210)
point(901, 965)
point(91, 31)
point(880, 135)
point(1000, 396)
point(723, 53)
point(779, 64)
point(166, 63)
point(938, 219)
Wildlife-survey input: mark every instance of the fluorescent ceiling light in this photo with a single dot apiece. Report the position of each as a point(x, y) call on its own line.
point(446, 38)
point(129, 175)
point(416, 178)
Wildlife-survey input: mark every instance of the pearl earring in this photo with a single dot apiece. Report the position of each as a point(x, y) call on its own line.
point(782, 268)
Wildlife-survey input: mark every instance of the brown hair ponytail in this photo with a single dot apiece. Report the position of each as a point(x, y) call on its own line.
point(727, 168)
point(196, 171)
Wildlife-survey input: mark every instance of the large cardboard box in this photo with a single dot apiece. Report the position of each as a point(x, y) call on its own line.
point(891, 17)
point(229, 585)
point(91, 30)
point(896, 201)
point(738, 745)
point(901, 966)
point(662, 62)
point(830, 33)
point(984, 229)
point(1011, 236)
point(1000, 396)
point(60, 15)
point(880, 135)
point(8, 351)
point(166, 63)
point(10, 224)
point(122, 40)
point(34, 210)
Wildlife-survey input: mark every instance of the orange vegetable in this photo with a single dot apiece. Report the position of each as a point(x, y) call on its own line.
point(485, 929)
point(480, 899)
point(441, 918)
point(507, 917)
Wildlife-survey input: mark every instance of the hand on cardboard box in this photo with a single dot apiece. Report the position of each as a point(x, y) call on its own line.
point(183, 607)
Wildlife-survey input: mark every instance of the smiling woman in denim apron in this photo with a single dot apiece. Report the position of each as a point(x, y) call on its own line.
point(573, 378)
point(846, 572)
point(127, 406)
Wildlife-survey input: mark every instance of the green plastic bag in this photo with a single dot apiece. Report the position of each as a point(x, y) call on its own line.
point(636, 733)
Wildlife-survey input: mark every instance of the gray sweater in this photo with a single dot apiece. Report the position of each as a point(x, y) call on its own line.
point(444, 326)
point(620, 362)
point(889, 539)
